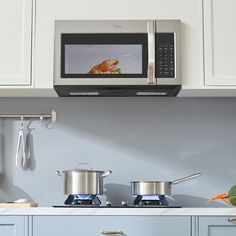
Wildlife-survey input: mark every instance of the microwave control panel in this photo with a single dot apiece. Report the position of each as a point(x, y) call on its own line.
point(165, 55)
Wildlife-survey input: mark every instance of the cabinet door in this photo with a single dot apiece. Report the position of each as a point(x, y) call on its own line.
point(188, 11)
point(13, 226)
point(95, 225)
point(15, 42)
point(216, 226)
point(220, 42)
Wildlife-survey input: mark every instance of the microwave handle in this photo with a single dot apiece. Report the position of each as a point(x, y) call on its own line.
point(151, 52)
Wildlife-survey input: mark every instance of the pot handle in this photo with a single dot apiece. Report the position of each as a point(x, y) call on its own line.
point(57, 172)
point(105, 174)
point(177, 181)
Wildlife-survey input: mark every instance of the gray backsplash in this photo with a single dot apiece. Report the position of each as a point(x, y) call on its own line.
point(136, 138)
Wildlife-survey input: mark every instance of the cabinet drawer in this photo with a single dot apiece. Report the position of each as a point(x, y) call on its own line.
point(126, 225)
point(217, 226)
point(13, 225)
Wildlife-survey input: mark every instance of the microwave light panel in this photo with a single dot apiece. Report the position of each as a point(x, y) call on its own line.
point(84, 94)
point(151, 93)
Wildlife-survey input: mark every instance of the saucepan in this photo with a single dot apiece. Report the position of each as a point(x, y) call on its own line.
point(157, 187)
point(83, 181)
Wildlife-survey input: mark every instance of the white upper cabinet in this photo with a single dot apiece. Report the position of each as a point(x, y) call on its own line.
point(208, 36)
point(188, 11)
point(15, 42)
point(220, 42)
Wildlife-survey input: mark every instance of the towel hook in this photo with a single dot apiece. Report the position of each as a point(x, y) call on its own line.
point(41, 119)
point(49, 125)
point(21, 122)
point(28, 126)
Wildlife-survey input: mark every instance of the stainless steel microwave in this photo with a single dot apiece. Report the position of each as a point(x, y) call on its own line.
point(117, 58)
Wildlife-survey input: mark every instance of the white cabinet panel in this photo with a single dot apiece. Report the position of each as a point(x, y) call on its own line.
point(219, 42)
point(15, 42)
point(188, 11)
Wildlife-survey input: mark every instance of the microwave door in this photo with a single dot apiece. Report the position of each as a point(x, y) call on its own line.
point(105, 58)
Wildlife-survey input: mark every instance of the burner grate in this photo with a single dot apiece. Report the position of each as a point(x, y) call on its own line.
point(79, 199)
point(158, 200)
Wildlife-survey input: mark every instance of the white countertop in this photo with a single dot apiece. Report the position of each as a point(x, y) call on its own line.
point(120, 211)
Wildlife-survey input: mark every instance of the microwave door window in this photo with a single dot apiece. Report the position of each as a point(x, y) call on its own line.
point(94, 61)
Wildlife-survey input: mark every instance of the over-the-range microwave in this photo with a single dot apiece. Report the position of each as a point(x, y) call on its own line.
point(117, 58)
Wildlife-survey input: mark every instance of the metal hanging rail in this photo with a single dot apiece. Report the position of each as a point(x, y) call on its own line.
point(52, 116)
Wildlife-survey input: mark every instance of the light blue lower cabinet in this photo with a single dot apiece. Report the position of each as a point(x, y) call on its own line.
point(217, 226)
point(13, 226)
point(108, 225)
point(126, 225)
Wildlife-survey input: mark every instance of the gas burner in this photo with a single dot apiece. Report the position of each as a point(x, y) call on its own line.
point(152, 200)
point(83, 200)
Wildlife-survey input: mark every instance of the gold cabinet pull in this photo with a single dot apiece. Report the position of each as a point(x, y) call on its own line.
point(115, 232)
point(231, 219)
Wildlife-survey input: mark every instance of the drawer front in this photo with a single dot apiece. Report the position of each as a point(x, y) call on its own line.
point(217, 226)
point(13, 226)
point(106, 225)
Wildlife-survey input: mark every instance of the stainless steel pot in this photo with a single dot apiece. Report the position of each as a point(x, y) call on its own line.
point(83, 181)
point(157, 187)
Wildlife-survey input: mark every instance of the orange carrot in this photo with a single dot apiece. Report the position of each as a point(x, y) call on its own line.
point(220, 196)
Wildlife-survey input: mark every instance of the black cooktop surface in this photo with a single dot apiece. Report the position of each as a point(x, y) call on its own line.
point(132, 206)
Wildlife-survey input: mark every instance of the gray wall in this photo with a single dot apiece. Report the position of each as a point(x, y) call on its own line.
point(137, 138)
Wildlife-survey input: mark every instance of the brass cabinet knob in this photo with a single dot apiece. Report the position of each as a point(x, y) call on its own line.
point(231, 219)
point(114, 232)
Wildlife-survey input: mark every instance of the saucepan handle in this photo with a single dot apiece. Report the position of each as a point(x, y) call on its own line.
point(57, 172)
point(177, 181)
point(105, 174)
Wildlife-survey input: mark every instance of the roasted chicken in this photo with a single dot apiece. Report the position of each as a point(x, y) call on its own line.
point(106, 67)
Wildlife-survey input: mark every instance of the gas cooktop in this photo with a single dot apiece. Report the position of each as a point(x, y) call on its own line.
point(127, 206)
point(132, 206)
point(92, 201)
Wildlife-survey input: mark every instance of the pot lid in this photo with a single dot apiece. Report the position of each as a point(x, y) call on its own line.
point(84, 170)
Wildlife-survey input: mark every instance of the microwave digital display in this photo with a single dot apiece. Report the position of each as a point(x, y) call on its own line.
point(100, 59)
point(104, 56)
